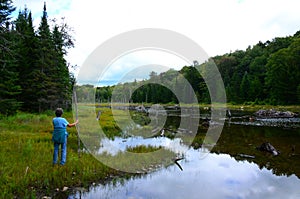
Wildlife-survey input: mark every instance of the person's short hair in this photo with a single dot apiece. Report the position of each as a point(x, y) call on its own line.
point(59, 112)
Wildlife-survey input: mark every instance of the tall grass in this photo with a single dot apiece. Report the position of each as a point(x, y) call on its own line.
point(26, 150)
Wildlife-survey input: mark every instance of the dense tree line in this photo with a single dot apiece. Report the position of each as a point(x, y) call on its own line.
point(266, 73)
point(34, 74)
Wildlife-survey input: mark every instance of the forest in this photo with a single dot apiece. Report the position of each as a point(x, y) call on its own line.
point(35, 76)
point(265, 73)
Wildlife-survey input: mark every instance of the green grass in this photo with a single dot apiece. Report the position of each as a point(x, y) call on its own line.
point(140, 159)
point(143, 149)
point(108, 123)
point(26, 150)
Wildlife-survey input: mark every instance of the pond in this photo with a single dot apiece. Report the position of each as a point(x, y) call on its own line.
point(233, 169)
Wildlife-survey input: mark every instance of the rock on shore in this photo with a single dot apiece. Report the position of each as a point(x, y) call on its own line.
point(274, 114)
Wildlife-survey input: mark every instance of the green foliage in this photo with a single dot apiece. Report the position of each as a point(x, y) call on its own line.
point(6, 8)
point(298, 92)
point(9, 85)
point(34, 74)
point(86, 93)
point(244, 87)
point(143, 149)
point(283, 74)
point(108, 124)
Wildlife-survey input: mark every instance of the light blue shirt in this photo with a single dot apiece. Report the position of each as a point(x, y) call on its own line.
point(60, 123)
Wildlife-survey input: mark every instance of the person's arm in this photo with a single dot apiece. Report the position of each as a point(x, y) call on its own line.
point(73, 124)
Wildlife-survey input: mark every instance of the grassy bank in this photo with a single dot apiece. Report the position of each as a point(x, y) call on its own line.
point(26, 150)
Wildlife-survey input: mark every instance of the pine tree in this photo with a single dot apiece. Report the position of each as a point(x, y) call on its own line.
point(27, 56)
point(33, 70)
point(44, 88)
point(6, 8)
point(55, 89)
point(63, 86)
point(9, 88)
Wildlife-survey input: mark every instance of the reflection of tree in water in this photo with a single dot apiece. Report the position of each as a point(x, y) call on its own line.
point(238, 140)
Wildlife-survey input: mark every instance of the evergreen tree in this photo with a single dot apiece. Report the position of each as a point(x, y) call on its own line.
point(34, 61)
point(6, 8)
point(9, 87)
point(63, 87)
point(27, 56)
point(45, 90)
point(53, 72)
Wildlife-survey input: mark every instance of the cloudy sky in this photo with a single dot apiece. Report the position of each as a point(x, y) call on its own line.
point(218, 26)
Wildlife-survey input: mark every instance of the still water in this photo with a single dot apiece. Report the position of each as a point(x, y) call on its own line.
point(234, 169)
point(216, 176)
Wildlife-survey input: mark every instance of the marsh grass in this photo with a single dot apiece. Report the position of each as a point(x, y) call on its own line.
point(140, 159)
point(110, 127)
point(26, 169)
point(108, 123)
point(143, 149)
point(26, 151)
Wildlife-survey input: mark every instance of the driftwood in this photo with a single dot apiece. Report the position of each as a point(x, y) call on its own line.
point(176, 162)
point(246, 156)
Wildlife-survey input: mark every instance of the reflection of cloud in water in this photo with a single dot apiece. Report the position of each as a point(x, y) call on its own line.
point(113, 147)
point(216, 176)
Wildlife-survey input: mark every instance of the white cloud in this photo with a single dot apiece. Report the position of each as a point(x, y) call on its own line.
point(151, 60)
point(217, 25)
point(131, 66)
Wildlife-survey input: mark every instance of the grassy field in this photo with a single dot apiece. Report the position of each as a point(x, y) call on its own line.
point(26, 151)
point(26, 169)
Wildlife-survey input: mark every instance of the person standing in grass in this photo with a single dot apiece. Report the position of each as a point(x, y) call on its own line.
point(60, 135)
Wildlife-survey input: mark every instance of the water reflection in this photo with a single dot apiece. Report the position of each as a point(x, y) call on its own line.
point(216, 176)
point(113, 147)
point(221, 174)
